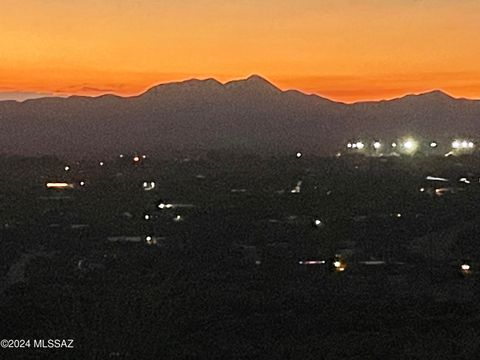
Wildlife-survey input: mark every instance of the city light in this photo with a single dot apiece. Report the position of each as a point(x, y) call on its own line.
point(165, 206)
point(136, 158)
point(67, 168)
point(318, 223)
point(59, 185)
point(101, 163)
point(465, 269)
point(394, 145)
point(338, 264)
point(360, 145)
point(377, 145)
point(82, 183)
point(148, 185)
point(312, 262)
point(349, 145)
point(147, 217)
point(409, 146)
point(462, 144)
point(433, 144)
point(150, 240)
point(298, 155)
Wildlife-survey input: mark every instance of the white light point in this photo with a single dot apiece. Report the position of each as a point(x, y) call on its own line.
point(360, 145)
point(408, 144)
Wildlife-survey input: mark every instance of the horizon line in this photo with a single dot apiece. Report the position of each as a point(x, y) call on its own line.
point(35, 95)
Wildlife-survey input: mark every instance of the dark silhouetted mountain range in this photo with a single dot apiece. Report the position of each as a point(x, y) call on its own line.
point(250, 114)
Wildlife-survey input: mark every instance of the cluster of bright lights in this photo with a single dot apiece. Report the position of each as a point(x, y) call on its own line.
point(463, 144)
point(356, 145)
point(407, 145)
point(165, 206)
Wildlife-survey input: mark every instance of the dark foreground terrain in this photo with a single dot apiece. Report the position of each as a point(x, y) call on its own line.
point(209, 261)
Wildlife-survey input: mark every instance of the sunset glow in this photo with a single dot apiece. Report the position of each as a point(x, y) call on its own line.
point(347, 50)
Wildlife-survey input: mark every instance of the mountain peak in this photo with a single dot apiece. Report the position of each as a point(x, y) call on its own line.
point(253, 82)
point(433, 95)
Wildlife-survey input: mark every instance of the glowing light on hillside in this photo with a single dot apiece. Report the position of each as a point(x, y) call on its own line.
point(409, 146)
point(360, 145)
point(462, 144)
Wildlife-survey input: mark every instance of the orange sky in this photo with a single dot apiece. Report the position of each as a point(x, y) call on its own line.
point(347, 50)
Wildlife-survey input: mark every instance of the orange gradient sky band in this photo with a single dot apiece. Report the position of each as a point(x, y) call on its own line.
point(347, 50)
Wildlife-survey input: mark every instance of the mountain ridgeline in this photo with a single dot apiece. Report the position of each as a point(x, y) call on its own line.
point(250, 114)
